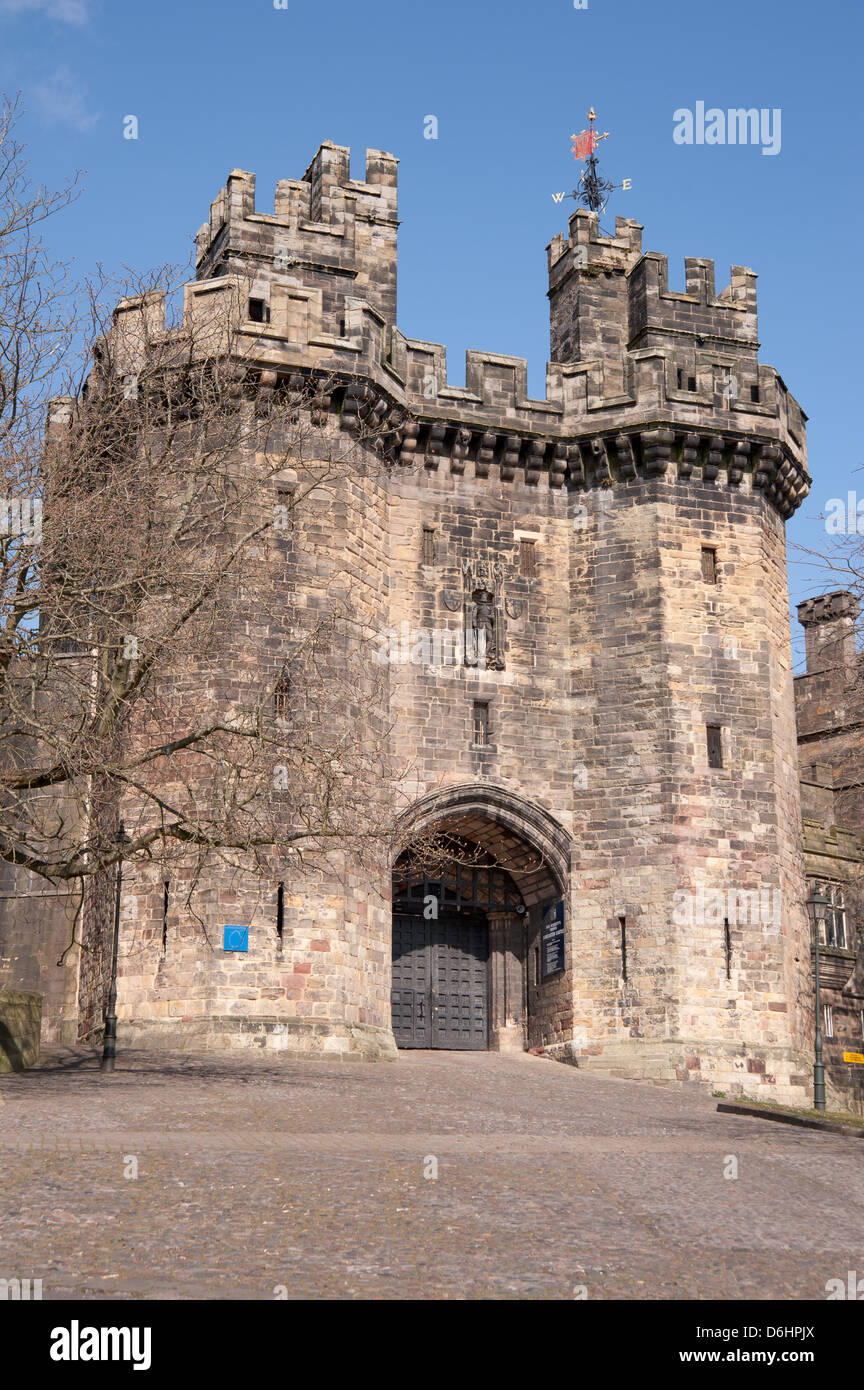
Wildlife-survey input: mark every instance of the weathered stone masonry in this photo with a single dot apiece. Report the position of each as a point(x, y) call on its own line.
point(828, 698)
point(650, 486)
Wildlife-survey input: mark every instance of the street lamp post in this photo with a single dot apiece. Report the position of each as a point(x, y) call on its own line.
point(109, 1040)
point(818, 908)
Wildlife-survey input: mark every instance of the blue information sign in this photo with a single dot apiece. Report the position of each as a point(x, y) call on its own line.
point(552, 940)
point(235, 938)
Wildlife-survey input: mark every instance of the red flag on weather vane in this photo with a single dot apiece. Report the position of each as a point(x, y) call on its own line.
point(587, 141)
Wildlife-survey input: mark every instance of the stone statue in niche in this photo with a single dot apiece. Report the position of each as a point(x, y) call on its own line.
point(484, 614)
point(481, 643)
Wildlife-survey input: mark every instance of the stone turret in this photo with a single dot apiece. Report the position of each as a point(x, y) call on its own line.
point(588, 293)
point(328, 232)
point(829, 630)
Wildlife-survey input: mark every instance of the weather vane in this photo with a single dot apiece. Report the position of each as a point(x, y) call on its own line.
point(593, 189)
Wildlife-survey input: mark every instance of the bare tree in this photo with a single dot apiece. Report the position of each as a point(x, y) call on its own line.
point(177, 648)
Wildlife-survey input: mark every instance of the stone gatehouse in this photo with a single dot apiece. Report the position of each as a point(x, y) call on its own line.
point(581, 615)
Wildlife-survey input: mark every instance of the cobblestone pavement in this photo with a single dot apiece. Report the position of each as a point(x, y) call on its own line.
point(255, 1173)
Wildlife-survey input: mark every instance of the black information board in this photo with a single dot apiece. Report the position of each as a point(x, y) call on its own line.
point(552, 942)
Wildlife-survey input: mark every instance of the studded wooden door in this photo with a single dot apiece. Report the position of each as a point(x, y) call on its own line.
point(440, 993)
point(409, 995)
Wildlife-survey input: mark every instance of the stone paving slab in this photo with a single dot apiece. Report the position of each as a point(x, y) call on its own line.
point(259, 1179)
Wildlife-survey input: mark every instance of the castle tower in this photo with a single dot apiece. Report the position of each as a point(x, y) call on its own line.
point(332, 235)
point(581, 603)
point(829, 704)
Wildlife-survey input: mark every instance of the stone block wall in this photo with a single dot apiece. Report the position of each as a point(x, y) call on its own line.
point(829, 699)
point(20, 1027)
point(828, 702)
point(599, 716)
point(323, 986)
point(39, 954)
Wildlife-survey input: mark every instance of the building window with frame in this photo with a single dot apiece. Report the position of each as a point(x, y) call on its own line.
point(527, 559)
point(828, 1020)
point(833, 930)
point(481, 723)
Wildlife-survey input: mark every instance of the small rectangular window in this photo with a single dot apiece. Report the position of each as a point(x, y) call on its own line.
point(527, 559)
point(680, 379)
point(280, 912)
point(622, 922)
point(754, 394)
point(481, 723)
point(828, 1020)
point(259, 311)
point(428, 545)
point(715, 745)
point(709, 564)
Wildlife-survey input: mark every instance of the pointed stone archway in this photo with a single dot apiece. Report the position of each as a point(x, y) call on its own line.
point(469, 973)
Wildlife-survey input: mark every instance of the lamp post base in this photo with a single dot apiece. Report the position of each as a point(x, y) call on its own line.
point(109, 1043)
point(818, 1086)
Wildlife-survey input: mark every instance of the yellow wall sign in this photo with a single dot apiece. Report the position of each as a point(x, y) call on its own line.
point(853, 1057)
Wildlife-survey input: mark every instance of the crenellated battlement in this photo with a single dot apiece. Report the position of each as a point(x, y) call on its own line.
point(327, 230)
point(311, 288)
point(656, 312)
point(585, 247)
point(610, 303)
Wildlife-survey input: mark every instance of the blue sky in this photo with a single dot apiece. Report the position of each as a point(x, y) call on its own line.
point(217, 84)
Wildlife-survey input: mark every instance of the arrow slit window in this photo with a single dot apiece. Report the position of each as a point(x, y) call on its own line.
point(714, 735)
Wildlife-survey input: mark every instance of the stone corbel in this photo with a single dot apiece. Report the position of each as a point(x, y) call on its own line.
point(689, 455)
point(657, 450)
point(510, 458)
point(485, 455)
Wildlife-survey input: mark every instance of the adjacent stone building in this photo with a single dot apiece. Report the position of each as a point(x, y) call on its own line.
point(581, 610)
point(831, 751)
